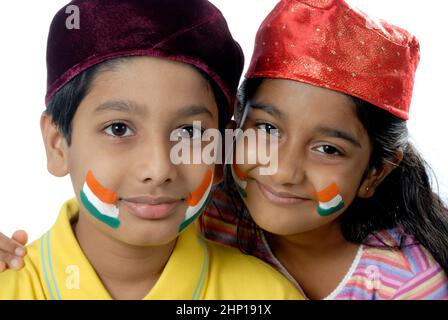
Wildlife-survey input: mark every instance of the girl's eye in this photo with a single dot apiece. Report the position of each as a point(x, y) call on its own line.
point(119, 130)
point(190, 132)
point(330, 150)
point(268, 128)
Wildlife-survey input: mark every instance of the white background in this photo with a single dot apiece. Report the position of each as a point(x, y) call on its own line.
point(31, 197)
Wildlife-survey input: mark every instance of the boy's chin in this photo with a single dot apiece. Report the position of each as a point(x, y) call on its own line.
point(143, 234)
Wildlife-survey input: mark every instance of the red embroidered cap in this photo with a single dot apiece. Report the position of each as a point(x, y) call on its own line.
point(328, 43)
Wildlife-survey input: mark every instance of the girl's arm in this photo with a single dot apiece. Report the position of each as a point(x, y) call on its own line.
point(12, 250)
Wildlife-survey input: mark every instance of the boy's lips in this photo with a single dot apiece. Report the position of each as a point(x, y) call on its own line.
point(151, 208)
point(279, 197)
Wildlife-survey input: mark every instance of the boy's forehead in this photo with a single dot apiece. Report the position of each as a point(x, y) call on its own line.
point(144, 85)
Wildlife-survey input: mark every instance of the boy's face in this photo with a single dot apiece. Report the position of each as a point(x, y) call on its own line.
point(121, 132)
point(321, 144)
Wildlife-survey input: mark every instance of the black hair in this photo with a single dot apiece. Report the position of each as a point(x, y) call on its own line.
point(62, 107)
point(404, 199)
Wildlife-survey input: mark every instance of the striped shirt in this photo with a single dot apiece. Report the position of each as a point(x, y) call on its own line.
point(388, 265)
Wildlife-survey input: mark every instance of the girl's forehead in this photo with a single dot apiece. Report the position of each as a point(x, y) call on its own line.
point(306, 107)
point(296, 97)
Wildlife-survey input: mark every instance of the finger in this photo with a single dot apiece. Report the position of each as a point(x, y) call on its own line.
point(20, 236)
point(8, 245)
point(16, 263)
point(2, 266)
point(9, 260)
point(13, 262)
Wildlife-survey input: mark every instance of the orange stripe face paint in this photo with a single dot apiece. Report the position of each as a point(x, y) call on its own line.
point(197, 200)
point(330, 200)
point(240, 178)
point(105, 195)
point(100, 202)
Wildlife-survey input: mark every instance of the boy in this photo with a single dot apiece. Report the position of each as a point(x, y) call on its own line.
point(119, 86)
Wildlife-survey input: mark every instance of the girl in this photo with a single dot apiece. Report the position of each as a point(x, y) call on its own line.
point(349, 214)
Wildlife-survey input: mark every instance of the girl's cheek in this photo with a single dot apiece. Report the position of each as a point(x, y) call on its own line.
point(329, 199)
point(333, 191)
point(335, 195)
point(256, 150)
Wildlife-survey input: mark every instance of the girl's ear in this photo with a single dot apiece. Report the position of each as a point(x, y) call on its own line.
point(55, 146)
point(376, 176)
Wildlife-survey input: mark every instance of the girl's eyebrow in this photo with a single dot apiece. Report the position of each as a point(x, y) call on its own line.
point(338, 134)
point(272, 110)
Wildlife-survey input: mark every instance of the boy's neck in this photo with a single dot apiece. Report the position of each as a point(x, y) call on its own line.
point(126, 271)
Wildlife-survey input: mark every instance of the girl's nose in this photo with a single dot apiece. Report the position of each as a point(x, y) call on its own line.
point(290, 166)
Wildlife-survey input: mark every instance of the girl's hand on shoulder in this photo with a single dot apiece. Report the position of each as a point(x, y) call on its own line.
point(12, 250)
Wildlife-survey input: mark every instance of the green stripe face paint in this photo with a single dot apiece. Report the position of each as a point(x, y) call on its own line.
point(100, 202)
point(330, 201)
point(197, 200)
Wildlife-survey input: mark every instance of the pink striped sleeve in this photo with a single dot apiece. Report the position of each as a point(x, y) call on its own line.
point(432, 284)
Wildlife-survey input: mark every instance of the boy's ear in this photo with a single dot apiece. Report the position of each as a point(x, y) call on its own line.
point(56, 147)
point(376, 176)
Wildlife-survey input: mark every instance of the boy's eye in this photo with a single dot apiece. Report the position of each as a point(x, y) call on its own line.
point(189, 132)
point(118, 129)
point(268, 128)
point(327, 149)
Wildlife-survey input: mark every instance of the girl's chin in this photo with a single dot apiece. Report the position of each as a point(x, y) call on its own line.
point(286, 222)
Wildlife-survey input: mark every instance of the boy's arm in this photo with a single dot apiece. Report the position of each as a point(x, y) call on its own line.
point(12, 250)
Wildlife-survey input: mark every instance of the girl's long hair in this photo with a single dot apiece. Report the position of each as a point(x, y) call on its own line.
point(404, 199)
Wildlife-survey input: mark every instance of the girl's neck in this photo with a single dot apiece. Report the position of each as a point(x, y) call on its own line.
point(317, 241)
point(126, 271)
point(317, 259)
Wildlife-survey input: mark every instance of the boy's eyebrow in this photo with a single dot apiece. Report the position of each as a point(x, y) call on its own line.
point(272, 110)
point(120, 106)
point(131, 107)
point(194, 110)
point(339, 134)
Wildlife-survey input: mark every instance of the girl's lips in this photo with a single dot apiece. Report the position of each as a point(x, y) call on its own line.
point(279, 198)
point(151, 209)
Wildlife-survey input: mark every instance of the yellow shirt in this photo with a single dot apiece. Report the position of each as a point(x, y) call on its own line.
point(56, 268)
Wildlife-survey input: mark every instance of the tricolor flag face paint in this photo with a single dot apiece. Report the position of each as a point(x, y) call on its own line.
point(100, 202)
point(197, 200)
point(240, 180)
point(330, 201)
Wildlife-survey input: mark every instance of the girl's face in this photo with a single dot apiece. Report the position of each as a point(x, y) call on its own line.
point(121, 133)
point(321, 143)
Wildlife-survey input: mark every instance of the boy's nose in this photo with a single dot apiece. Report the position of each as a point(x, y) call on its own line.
point(155, 166)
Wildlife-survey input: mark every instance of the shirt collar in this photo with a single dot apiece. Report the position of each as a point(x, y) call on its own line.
point(68, 274)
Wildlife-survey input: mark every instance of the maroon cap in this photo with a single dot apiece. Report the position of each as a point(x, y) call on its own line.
point(190, 31)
